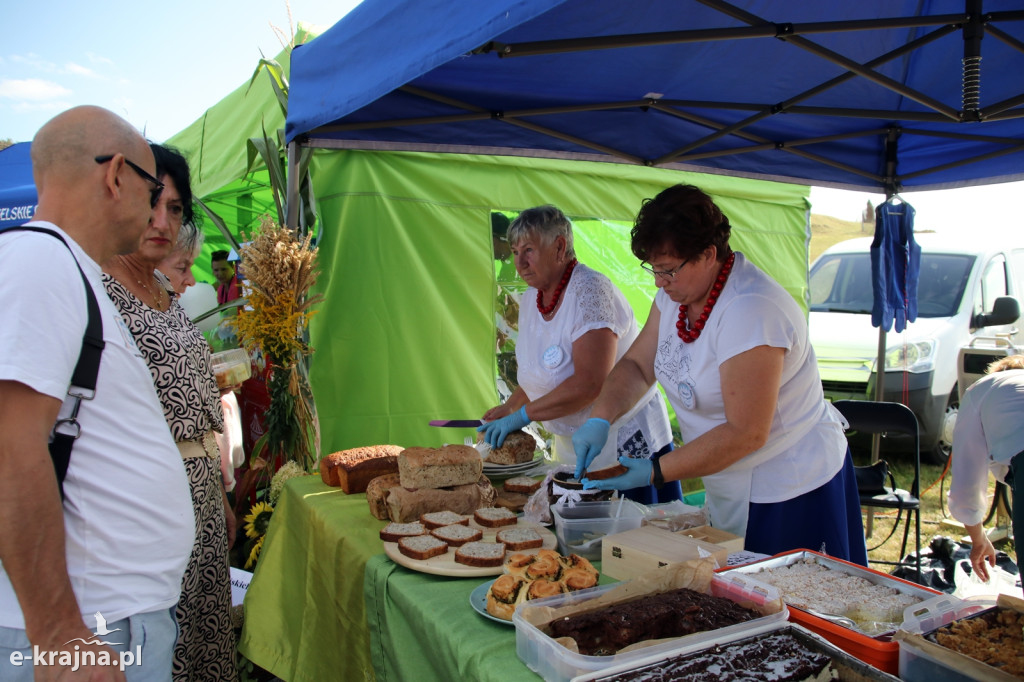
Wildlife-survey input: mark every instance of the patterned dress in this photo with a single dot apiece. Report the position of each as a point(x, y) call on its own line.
point(179, 361)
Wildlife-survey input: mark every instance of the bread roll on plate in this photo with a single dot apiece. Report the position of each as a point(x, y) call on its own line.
point(503, 595)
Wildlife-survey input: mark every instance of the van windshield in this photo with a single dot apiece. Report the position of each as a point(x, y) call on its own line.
point(842, 283)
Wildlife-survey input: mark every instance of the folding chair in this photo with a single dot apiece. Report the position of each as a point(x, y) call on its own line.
point(866, 416)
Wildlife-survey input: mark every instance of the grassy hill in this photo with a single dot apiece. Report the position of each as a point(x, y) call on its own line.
point(826, 231)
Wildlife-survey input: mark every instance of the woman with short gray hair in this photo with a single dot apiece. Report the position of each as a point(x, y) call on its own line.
point(574, 324)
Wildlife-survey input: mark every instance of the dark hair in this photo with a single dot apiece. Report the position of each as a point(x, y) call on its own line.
point(171, 163)
point(681, 219)
point(218, 255)
point(499, 225)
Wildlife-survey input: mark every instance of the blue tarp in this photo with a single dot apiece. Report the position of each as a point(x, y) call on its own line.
point(866, 95)
point(17, 189)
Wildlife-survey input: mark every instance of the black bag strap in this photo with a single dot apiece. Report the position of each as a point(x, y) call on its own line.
point(83, 379)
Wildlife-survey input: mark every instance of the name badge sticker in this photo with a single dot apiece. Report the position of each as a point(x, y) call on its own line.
point(553, 356)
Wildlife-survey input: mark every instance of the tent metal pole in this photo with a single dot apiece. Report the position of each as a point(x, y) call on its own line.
point(292, 189)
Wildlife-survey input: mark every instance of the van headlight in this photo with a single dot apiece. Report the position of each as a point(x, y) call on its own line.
point(916, 358)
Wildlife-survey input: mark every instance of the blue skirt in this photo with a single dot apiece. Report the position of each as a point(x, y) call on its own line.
point(826, 519)
point(648, 494)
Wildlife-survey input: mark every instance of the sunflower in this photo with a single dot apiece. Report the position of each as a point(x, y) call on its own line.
point(254, 554)
point(257, 520)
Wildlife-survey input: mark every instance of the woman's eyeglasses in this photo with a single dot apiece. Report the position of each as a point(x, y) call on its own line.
point(158, 187)
point(666, 274)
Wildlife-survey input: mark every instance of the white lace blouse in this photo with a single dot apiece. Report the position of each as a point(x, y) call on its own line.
point(544, 352)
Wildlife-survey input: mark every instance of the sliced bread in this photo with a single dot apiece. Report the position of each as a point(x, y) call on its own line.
point(422, 547)
point(393, 532)
point(442, 518)
point(481, 554)
point(518, 539)
point(495, 517)
point(457, 535)
point(522, 484)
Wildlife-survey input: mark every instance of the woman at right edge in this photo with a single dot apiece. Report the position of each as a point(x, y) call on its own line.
point(730, 348)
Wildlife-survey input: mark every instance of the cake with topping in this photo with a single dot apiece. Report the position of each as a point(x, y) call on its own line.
point(676, 613)
point(775, 657)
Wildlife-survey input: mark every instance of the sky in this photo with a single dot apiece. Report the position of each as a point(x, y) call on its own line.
point(161, 66)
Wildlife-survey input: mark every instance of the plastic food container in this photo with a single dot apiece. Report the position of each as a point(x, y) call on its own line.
point(581, 527)
point(231, 367)
point(922, 660)
point(879, 650)
point(846, 665)
point(555, 663)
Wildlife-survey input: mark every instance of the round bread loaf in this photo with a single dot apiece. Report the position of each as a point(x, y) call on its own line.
point(518, 448)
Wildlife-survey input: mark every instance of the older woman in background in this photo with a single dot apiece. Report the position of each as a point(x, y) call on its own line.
point(989, 436)
point(730, 347)
point(573, 326)
point(179, 360)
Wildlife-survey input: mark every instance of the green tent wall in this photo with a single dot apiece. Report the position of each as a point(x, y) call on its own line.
point(406, 334)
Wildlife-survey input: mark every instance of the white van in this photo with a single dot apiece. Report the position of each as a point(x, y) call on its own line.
point(967, 289)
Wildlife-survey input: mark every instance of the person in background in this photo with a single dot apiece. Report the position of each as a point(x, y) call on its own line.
point(177, 268)
point(179, 361)
point(989, 436)
point(224, 272)
point(573, 325)
point(110, 561)
point(730, 348)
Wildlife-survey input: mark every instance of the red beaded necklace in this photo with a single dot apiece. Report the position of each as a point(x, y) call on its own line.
point(682, 326)
point(546, 309)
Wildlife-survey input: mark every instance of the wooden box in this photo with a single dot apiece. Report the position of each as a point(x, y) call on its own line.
point(626, 555)
point(716, 536)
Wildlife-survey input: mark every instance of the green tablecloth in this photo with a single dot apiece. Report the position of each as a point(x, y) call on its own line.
point(305, 618)
point(310, 616)
point(422, 627)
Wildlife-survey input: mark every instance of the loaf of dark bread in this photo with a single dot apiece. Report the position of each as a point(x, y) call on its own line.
point(352, 470)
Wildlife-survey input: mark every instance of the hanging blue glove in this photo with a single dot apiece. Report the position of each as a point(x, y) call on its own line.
point(588, 442)
point(497, 431)
point(639, 475)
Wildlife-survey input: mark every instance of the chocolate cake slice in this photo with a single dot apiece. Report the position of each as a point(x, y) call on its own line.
point(670, 614)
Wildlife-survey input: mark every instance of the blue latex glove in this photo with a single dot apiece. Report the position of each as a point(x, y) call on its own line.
point(639, 475)
point(496, 431)
point(588, 442)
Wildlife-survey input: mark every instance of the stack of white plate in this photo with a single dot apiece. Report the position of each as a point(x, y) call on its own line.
point(509, 470)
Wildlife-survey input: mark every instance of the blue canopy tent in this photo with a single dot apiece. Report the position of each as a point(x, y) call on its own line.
point(878, 95)
point(17, 189)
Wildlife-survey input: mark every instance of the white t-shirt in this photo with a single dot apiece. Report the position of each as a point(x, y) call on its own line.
point(989, 432)
point(806, 446)
point(127, 511)
point(544, 356)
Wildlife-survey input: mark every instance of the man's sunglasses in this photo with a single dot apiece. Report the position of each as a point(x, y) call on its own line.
point(158, 187)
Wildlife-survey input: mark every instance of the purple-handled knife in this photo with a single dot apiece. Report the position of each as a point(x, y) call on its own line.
point(461, 423)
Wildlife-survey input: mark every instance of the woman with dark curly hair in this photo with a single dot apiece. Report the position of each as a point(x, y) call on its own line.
point(730, 348)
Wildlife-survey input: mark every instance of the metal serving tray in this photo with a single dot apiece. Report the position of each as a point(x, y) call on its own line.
point(872, 576)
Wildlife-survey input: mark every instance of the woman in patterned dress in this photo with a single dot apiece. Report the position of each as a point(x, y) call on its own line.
point(573, 326)
point(179, 360)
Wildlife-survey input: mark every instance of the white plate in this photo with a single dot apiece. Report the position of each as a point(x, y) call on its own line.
point(478, 600)
point(508, 468)
point(445, 564)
